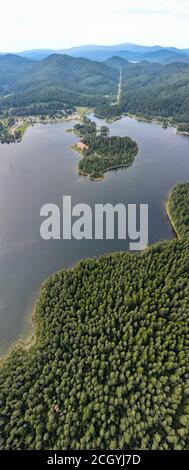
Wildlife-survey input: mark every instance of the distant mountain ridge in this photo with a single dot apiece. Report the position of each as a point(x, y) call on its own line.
point(132, 52)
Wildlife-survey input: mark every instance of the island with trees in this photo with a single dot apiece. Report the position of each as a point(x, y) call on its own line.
point(101, 152)
point(109, 364)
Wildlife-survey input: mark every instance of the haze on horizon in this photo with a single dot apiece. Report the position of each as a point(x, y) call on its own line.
point(61, 24)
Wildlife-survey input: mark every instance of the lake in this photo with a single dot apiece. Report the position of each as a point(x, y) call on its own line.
point(42, 169)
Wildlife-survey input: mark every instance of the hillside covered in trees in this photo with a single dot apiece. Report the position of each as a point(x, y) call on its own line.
point(28, 86)
point(110, 365)
point(101, 152)
point(152, 91)
point(149, 89)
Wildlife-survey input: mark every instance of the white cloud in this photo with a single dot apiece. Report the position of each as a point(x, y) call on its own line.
point(62, 23)
point(171, 7)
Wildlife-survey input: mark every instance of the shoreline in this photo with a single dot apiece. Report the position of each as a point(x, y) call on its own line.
point(159, 121)
point(26, 340)
point(116, 167)
point(183, 133)
point(31, 121)
point(167, 208)
point(80, 113)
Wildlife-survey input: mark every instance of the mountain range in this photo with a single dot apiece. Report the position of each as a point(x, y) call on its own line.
point(58, 78)
point(131, 52)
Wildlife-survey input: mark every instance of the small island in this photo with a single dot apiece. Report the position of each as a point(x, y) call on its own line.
point(100, 151)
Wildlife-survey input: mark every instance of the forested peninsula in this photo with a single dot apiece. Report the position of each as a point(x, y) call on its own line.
point(100, 152)
point(110, 365)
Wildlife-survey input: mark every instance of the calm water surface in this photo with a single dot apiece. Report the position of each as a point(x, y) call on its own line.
point(43, 168)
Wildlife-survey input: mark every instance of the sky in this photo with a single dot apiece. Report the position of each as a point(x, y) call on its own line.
point(60, 24)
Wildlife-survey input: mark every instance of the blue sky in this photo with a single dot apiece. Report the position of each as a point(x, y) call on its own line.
point(63, 23)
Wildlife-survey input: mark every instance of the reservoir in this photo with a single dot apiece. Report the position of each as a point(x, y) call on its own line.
point(42, 169)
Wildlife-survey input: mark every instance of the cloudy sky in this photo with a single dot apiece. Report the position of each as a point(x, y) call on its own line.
point(63, 23)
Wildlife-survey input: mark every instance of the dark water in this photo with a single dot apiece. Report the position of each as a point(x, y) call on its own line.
point(43, 168)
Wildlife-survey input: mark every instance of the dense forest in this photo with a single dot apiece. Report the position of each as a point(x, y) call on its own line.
point(101, 151)
point(54, 82)
point(152, 91)
point(49, 108)
point(110, 365)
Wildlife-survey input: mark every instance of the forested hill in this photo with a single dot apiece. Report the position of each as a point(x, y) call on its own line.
point(116, 62)
point(58, 78)
point(110, 366)
point(153, 90)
